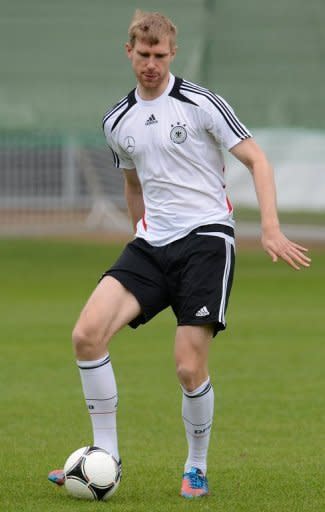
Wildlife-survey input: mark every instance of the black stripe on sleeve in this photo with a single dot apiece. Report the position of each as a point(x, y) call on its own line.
point(131, 102)
point(176, 93)
point(115, 158)
point(230, 118)
point(112, 111)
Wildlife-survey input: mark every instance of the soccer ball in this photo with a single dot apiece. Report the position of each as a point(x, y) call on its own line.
point(91, 473)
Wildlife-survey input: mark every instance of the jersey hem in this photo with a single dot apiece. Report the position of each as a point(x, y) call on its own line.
point(183, 234)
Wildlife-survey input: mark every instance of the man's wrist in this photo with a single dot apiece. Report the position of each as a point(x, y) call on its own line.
point(270, 227)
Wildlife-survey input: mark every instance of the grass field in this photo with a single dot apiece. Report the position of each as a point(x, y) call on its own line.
point(295, 218)
point(268, 442)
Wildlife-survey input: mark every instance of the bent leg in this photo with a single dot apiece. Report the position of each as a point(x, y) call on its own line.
point(109, 308)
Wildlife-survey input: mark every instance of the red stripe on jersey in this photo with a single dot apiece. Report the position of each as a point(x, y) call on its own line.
point(144, 222)
point(230, 207)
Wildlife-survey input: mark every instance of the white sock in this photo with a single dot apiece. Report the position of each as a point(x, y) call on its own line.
point(197, 411)
point(99, 387)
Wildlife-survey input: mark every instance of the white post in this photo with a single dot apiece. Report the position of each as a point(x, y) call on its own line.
point(69, 172)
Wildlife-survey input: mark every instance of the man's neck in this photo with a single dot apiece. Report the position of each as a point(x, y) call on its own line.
point(148, 94)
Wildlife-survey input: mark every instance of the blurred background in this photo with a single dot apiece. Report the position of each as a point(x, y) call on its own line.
point(63, 65)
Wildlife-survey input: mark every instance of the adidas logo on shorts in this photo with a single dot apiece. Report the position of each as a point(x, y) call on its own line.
point(203, 312)
point(151, 120)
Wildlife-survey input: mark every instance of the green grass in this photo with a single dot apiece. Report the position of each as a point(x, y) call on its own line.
point(267, 446)
point(296, 217)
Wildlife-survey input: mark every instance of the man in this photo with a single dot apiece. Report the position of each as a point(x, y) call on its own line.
point(167, 136)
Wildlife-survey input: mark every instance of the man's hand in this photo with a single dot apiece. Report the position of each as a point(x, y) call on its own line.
point(277, 245)
point(274, 242)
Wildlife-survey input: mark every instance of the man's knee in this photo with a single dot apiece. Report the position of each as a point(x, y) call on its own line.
point(189, 375)
point(87, 341)
point(191, 355)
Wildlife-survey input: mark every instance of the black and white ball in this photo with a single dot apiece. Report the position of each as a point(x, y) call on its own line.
point(91, 473)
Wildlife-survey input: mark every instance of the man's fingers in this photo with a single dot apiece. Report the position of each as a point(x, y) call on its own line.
point(273, 256)
point(288, 259)
point(300, 247)
point(294, 255)
point(301, 257)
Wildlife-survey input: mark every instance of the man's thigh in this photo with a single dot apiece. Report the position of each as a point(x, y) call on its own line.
point(139, 270)
point(109, 308)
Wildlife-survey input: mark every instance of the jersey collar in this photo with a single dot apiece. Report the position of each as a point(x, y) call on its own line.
point(150, 103)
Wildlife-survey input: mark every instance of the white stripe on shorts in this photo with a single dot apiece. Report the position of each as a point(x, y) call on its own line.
point(228, 238)
point(225, 283)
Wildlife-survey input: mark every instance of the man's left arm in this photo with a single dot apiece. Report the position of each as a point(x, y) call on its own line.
point(274, 242)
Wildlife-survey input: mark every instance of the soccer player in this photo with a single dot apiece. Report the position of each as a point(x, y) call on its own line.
point(167, 136)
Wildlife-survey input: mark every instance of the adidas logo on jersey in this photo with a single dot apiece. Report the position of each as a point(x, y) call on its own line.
point(151, 120)
point(203, 312)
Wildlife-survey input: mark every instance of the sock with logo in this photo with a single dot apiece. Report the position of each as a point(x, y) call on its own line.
point(99, 387)
point(197, 411)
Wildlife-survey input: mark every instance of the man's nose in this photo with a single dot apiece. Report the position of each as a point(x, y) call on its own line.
point(151, 62)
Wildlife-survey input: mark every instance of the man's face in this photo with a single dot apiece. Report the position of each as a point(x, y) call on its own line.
point(151, 63)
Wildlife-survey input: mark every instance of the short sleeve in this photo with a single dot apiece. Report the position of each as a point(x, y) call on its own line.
point(223, 124)
point(121, 158)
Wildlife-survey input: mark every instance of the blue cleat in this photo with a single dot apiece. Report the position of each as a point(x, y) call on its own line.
point(57, 476)
point(194, 484)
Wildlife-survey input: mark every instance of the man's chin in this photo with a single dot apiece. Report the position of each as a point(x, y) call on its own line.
point(150, 82)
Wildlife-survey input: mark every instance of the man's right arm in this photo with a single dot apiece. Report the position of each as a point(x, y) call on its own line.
point(133, 196)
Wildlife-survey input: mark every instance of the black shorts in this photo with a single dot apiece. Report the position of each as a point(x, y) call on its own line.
point(193, 275)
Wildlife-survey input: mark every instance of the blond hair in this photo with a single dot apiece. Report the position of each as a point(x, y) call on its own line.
point(151, 27)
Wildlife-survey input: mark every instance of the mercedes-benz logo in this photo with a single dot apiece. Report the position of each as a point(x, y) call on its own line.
point(129, 144)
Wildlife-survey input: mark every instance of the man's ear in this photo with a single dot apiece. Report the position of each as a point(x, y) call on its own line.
point(128, 50)
point(173, 52)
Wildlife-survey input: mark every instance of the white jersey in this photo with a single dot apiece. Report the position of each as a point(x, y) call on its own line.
point(175, 143)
